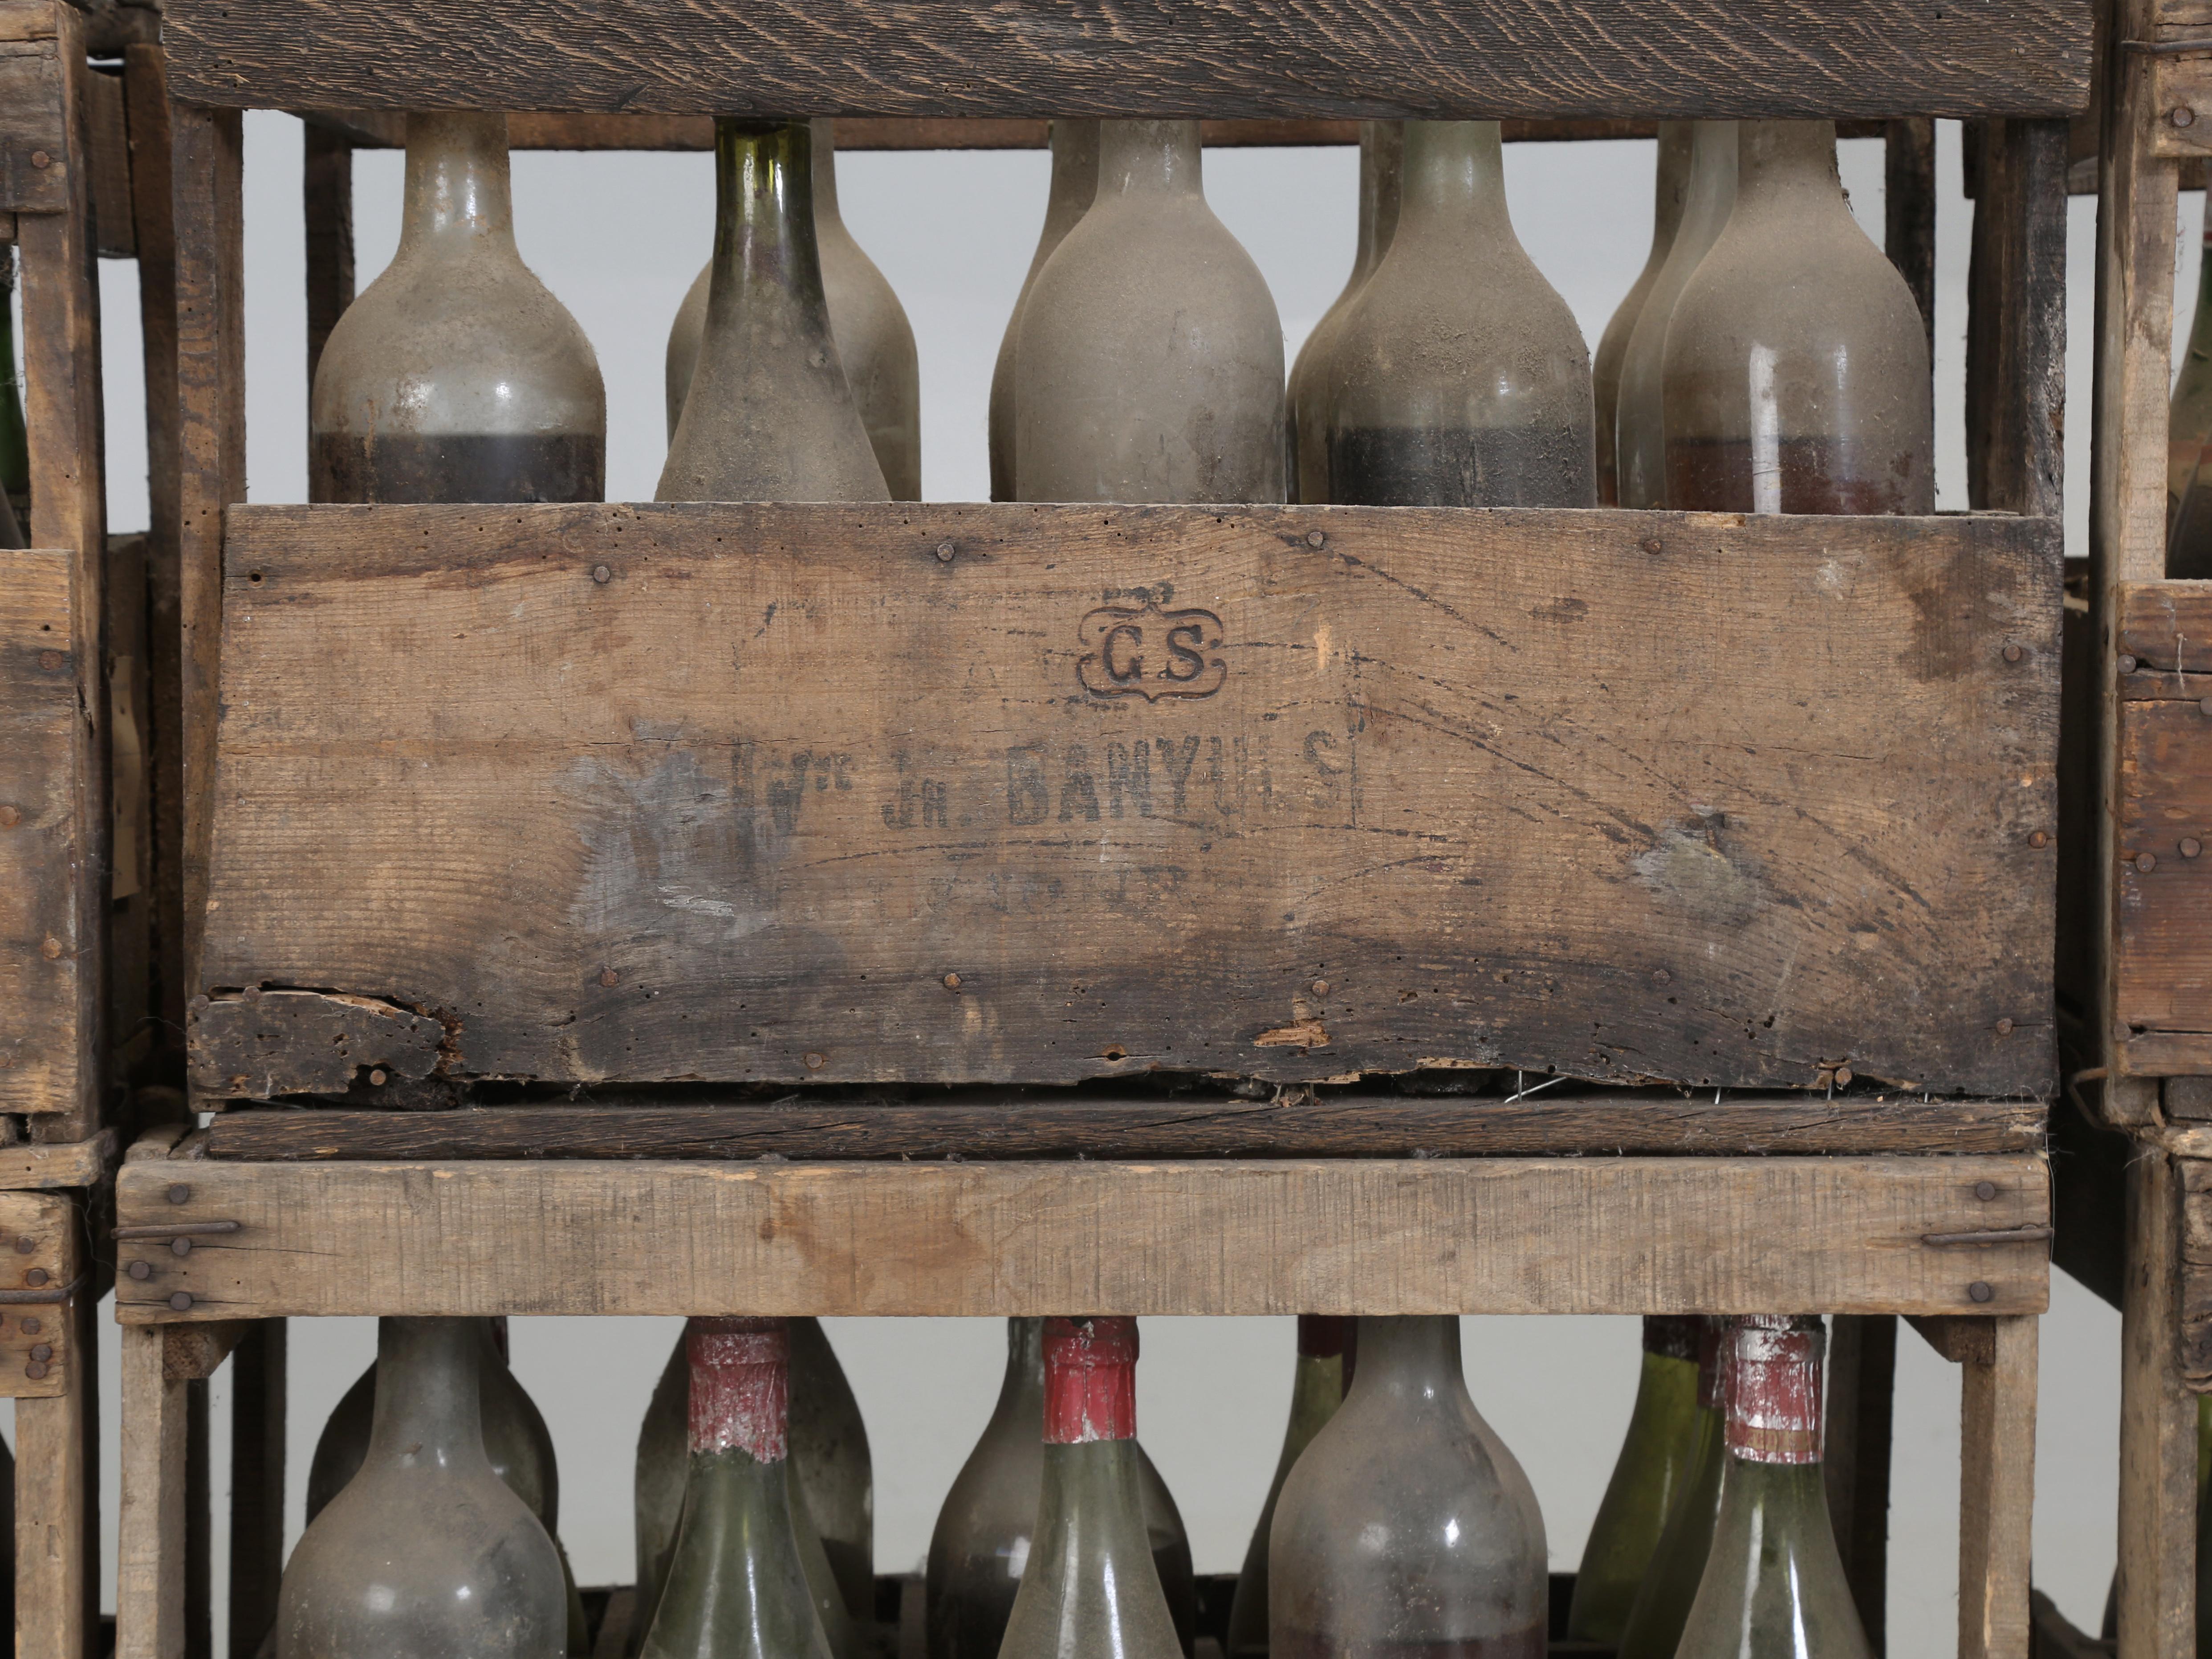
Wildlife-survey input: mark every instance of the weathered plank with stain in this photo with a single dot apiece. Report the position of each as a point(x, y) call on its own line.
point(1037, 793)
point(1343, 58)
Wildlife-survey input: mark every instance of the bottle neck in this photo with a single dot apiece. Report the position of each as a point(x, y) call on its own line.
point(426, 1411)
point(457, 190)
point(1090, 1381)
point(1149, 158)
point(1021, 1394)
point(1454, 179)
point(1671, 179)
point(1382, 162)
point(1774, 1393)
point(1675, 1336)
point(823, 137)
point(1074, 176)
point(1786, 164)
point(740, 1395)
point(1090, 1509)
point(764, 220)
point(1411, 1357)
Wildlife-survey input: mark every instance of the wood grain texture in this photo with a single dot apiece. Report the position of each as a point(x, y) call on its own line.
point(59, 1167)
point(46, 858)
point(1503, 788)
point(112, 220)
point(41, 1253)
point(1908, 201)
point(2052, 1635)
point(1961, 1339)
point(1996, 1493)
point(149, 1593)
point(1430, 1235)
point(326, 196)
point(996, 1127)
point(1138, 57)
point(57, 1504)
point(2016, 322)
point(34, 117)
point(258, 1379)
point(2158, 1427)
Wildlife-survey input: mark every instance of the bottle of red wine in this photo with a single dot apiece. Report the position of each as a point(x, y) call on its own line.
point(985, 1533)
point(1647, 1480)
point(1316, 1390)
point(1670, 190)
point(1074, 182)
point(1670, 1582)
point(1797, 376)
point(735, 1588)
point(1090, 1587)
point(1407, 1527)
point(1774, 1585)
point(426, 1552)
point(457, 376)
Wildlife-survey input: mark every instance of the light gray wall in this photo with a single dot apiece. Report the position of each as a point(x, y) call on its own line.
point(618, 237)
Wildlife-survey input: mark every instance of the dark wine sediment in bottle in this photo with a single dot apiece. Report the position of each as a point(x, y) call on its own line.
point(452, 468)
point(1305, 401)
point(1417, 467)
point(1647, 1480)
point(1316, 1390)
point(1797, 475)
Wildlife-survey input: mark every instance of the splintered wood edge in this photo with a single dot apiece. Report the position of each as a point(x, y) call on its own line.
point(33, 1166)
point(1911, 1235)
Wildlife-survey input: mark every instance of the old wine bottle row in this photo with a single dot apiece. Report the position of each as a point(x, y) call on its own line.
point(1397, 1524)
point(1768, 359)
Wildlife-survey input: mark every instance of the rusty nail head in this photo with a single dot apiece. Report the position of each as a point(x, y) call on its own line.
point(9, 817)
point(1986, 1190)
point(952, 982)
point(2038, 839)
point(2127, 664)
point(944, 551)
point(2013, 653)
point(31, 1325)
point(1316, 539)
point(180, 1194)
point(609, 978)
point(2004, 1028)
point(1980, 1290)
point(2190, 846)
point(376, 1078)
point(1651, 544)
point(42, 1351)
point(816, 1061)
point(35, 1277)
point(2146, 863)
point(180, 1247)
point(1843, 1075)
point(2181, 115)
point(50, 660)
point(1321, 987)
point(51, 949)
point(35, 1370)
point(40, 159)
point(141, 1270)
point(252, 993)
point(181, 1301)
point(602, 575)
point(24, 1246)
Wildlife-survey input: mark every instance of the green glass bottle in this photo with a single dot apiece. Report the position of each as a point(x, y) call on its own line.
point(1670, 191)
point(736, 1589)
point(2189, 442)
point(1090, 1586)
point(1316, 1390)
point(1670, 1582)
point(1074, 182)
point(1647, 1480)
point(1774, 1585)
point(1305, 407)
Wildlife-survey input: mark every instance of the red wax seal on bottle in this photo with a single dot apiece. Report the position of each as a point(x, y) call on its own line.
point(740, 1386)
point(1774, 1390)
point(1090, 1381)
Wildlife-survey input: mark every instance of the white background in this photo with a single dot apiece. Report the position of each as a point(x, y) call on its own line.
point(618, 238)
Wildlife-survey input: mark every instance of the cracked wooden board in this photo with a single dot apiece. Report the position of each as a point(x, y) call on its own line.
point(1037, 793)
point(1558, 1235)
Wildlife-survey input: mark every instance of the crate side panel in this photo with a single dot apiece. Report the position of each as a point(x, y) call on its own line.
point(1039, 794)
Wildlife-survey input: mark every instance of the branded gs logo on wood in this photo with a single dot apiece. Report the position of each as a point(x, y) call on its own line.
point(1144, 651)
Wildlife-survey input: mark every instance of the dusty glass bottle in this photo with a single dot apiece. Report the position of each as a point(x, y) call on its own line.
point(1316, 1390)
point(1669, 190)
point(1408, 1530)
point(1774, 1585)
point(1458, 375)
point(1670, 1582)
point(875, 341)
point(457, 376)
point(1382, 152)
point(833, 1484)
point(769, 414)
point(1797, 376)
point(1647, 1478)
point(2189, 442)
point(1090, 1587)
point(426, 1553)
point(1074, 182)
point(735, 1587)
point(985, 1533)
point(1150, 361)
point(1639, 431)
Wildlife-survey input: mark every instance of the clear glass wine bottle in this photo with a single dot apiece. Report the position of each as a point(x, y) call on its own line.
point(1639, 428)
point(985, 1531)
point(735, 1587)
point(1090, 1586)
point(1670, 1582)
point(1382, 152)
point(1459, 377)
point(1148, 366)
point(1408, 1530)
point(1648, 1479)
point(1774, 1585)
point(1316, 1390)
point(425, 1553)
point(1074, 182)
point(457, 376)
point(769, 414)
point(1670, 189)
point(1797, 376)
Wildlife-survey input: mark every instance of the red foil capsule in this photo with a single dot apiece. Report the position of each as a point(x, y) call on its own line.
point(740, 1386)
point(1090, 1381)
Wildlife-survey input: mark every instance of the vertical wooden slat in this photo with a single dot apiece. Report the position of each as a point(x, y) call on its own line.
point(258, 1394)
point(2158, 1427)
point(149, 1590)
point(57, 1482)
point(146, 108)
point(1908, 203)
point(199, 1513)
point(1996, 1493)
point(1861, 1380)
point(327, 190)
point(2016, 321)
point(207, 148)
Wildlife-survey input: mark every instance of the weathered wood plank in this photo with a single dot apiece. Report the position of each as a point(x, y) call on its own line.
point(56, 1166)
point(258, 1381)
point(39, 163)
point(1996, 1493)
point(2016, 331)
point(1426, 1235)
point(112, 220)
point(56, 1501)
point(2053, 1636)
point(1139, 58)
point(149, 1594)
point(854, 793)
point(2158, 1427)
point(996, 1127)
